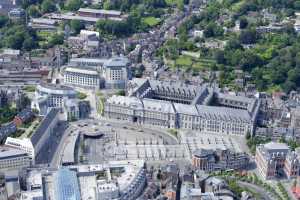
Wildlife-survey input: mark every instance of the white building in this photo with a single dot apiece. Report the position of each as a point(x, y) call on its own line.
point(22, 144)
point(116, 73)
point(52, 96)
point(110, 73)
point(82, 77)
point(113, 180)
point(13, 159)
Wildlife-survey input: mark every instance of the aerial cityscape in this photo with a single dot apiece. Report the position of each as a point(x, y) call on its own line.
point(149, 99)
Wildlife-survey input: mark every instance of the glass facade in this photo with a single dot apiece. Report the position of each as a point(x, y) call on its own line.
point(66, 185)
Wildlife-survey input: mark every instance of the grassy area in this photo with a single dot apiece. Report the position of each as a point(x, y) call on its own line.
point(81, 95)
point(172, 2)
point(7, 114)
point(173, 132)
point(100, 108)
point(237, 6)
point(99, 94)
point(29, 88)
point(151, 21)
point(184, 61)
point(189, 63)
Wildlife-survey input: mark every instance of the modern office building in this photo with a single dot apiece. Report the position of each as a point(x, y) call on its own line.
point(114, 180)
point(110, 73)
point(13, 159)
point(50, 95)
point(55, 93)
point(45, 131)
point(7, 129)
point(89, 78)
point(116, 73)
point(277, 160)
point(209, 160)
point(177, 105)
point(101, 14)
point(96, 63)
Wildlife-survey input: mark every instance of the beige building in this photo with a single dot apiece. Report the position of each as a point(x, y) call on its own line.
point(189, 107)
point(276, 160)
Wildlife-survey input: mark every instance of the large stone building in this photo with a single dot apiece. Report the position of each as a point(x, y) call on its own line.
point(176, 105)
point(277, 160)
point(110, 73)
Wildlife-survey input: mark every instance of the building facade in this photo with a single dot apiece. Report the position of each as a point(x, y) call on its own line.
point(220, 159)
point(22, 144)
point(52, 95)
point(82, 77)
point(45, 131)
point(110, 73)
point(277, 160)
point(48, 96)
point(168, 105)
point(13, 159)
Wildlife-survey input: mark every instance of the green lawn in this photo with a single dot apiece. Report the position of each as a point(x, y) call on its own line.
point(184, 61)
point(81, 95)
point(171, 2)
point(151, 21)
point(29, 88)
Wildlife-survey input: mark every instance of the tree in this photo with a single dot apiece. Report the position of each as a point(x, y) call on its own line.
point(76, 25)
point(213, 30)
point(73, 5)
point(248, 36)
point(15, 41)
point(233, 44)
point(29, 44)
point(220, 57)
point(33, 11)
point(48, 6)
point(3, 20)
point(56, 39)
point(297, 5)
point(243, 23)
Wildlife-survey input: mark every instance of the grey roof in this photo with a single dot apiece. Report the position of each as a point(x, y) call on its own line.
point(132, 102)
point(6, 153)
point(116, 62)
point(223, 113)
point(68, 154)
point(99, 61)
point(98, 11)
point(186, 109)
point(158, 106)
point(203, 152)
point(276, 146)
point(44, 126)
point(81, 71)
point(212, 112)
point(56, 89)
point(7, 129)
point(25, 114)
